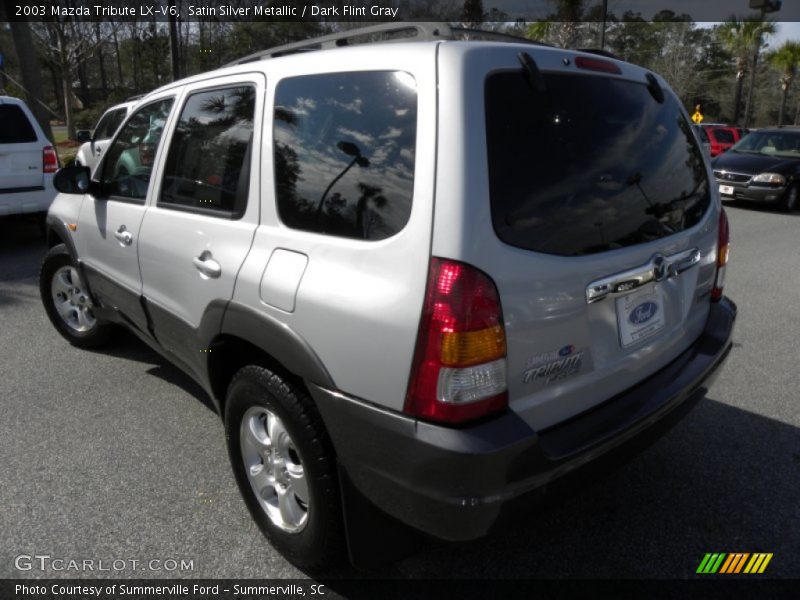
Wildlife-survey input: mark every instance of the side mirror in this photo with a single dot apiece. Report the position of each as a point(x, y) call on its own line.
point(72, 180)
point(83, 135)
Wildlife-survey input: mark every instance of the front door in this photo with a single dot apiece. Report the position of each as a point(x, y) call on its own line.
point(110, 220)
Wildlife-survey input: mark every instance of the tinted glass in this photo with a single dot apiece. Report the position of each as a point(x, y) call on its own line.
point(701, 133)
point(129, 161)
point(208, 163)
point(14, 126)
point(723, 136)
point(781, 143)
point(590, 164)
point(344, 152)
point(108, 125)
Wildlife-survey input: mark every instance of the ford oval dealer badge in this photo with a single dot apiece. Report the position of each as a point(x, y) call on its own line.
point(640, 315)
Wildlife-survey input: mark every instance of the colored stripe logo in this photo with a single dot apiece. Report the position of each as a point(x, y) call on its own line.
point(734, 563)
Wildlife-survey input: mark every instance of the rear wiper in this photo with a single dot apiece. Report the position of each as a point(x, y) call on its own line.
point(532, 73)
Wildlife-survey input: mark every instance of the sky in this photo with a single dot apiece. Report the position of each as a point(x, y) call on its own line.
point(699, 10)
point(786, 32)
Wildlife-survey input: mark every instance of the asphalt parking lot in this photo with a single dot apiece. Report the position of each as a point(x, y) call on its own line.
point(117, 455)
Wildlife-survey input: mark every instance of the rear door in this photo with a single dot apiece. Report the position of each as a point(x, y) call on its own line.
point(593, 215)
point(200, 227)
point(20, 150)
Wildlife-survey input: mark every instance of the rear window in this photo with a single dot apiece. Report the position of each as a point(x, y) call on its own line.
point(723, 136)
point(589, 165)
point(15, 128)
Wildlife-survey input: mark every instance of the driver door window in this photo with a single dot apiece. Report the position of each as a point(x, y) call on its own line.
point(108, 124)
point(129, 161)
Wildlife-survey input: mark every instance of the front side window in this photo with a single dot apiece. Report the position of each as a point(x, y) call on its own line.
point(344, 152)
point(129, 162)
point(208, 163)
point(109, 123)
point(780, 143)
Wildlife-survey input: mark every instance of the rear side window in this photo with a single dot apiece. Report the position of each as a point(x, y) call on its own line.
point(108, 125)
point(344, 152)
point(723, 136)
point(15, 128)
point(208, 164)
point(590, 164)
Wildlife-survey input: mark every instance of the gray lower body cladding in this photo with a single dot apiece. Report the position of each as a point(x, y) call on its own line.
point(456, 484)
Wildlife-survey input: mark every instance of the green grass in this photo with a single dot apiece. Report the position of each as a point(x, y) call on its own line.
point(65, 153)
point(60, 136)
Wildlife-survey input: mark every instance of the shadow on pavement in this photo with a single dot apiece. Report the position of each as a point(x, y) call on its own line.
point(127, 346)
point(21, 249)
point(723, 480)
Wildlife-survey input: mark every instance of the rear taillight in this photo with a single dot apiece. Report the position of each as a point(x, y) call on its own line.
point(597, 64)
point(459, 370)
point(723, 248)
point(49, 160)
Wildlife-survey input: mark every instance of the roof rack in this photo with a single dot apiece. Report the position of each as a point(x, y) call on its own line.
point(384, 33)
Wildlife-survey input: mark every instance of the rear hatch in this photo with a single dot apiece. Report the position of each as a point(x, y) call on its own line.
point(20, 150)
point(604, 229)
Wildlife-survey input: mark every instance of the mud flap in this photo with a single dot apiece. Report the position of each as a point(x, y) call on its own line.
point(374, 538)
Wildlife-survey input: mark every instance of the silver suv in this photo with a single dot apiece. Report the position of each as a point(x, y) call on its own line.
point(421, 280)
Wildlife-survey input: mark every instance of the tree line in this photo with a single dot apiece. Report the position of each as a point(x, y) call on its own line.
point(73, 70)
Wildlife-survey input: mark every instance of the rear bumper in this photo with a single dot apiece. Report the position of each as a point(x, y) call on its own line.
point(456, 484)
point(27, 200)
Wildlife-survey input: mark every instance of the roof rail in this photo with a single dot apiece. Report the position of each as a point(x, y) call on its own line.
point(136, 97)
point(383, 33)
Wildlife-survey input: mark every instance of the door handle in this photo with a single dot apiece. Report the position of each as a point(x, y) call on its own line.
point(658, 268)
point(206, 264)
point(124, 236)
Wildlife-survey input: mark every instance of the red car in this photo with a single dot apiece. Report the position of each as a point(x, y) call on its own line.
point(722, 137)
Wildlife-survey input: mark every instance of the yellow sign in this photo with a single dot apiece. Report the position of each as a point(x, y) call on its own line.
point(697, 117)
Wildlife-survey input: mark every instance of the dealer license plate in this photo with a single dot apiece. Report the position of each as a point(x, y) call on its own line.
point(640, 315)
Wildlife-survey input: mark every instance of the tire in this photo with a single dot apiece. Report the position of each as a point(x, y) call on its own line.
point(285, 467)
point(67, 302)
point(789, 201)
